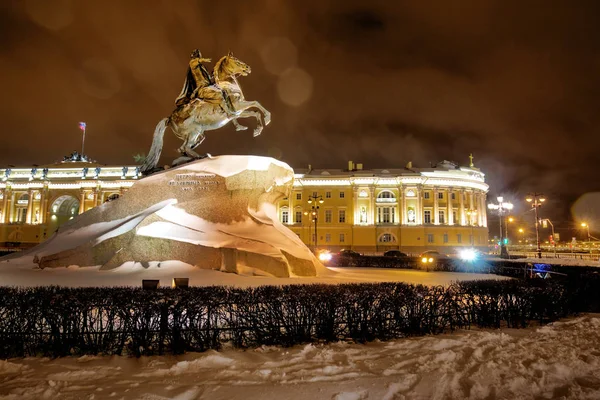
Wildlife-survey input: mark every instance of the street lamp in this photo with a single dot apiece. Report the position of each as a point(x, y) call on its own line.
point(471, 215)
point(522, 232)
point(536, 200)
point(502, 206)
point(585, 225)
point(315, 212)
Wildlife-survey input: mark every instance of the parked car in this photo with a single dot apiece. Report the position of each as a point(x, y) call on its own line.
point(432, 257)
point(347, 258)
point(394, 253)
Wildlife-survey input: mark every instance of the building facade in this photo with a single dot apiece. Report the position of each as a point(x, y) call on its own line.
point(410, 209)
point(34, 202)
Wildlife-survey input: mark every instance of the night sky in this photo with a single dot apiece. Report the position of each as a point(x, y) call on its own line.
point(516, 83)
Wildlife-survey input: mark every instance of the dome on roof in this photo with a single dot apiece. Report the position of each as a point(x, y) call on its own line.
point(325, 173)
point(385, 171)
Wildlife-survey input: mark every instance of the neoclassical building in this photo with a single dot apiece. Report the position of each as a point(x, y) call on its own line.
point(35, 201)
point(412, 209)
point(373, 210)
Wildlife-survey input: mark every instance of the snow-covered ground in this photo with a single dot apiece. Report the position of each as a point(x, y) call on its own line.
point(558, 361)
point(132, 275)
point(553, 261)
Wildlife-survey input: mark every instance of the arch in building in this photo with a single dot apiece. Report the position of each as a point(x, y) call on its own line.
point(386, 194)
point(387, 238)
point(20, 210)
point(62, 209)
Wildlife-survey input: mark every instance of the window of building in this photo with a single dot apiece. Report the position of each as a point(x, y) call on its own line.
point(441, 216)
point(298, 196)
point(458, 238)
point(453, 196)
point(427, 216)
point(426, 195)
point(387, 238)
point(454, 220)
point(328, 237)
point(342, 195)
point(430, 238)
point(298, 219)
point(386, 197)
point(342, 238)
point(327, 195)
point(342, 216)
point(386, 215)
point(328, 214)
point(441, 195)
point(285, 217)
point(314, 194)
point(445, 238)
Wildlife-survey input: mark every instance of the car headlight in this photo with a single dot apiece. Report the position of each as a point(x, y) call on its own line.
point(467, 255)
point(424, 259)
point(431, 260)
point(325, 256)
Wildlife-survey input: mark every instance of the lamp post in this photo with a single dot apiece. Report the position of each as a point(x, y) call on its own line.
point(502, 206)
point(585, 225)
point(522, 232)
point(314, 201)
point(536, 200)
point(471, 214)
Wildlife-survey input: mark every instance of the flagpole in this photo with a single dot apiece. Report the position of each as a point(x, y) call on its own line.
point(83, 141)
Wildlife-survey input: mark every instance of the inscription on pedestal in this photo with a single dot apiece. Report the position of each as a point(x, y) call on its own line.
point(194, 181)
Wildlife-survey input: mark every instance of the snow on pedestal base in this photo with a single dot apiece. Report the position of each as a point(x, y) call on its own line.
point(215, 213)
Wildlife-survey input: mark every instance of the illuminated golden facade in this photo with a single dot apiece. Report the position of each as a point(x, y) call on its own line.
point(34, 202)
point(411, 209)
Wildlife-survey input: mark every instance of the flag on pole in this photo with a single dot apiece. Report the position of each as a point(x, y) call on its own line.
point(82, 126)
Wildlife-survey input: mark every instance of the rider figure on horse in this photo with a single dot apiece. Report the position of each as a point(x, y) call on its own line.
point(199, 84)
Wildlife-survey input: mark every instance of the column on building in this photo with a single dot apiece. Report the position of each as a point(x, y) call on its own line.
point(480, 209)
point(81, 201)
point(471, 207)
point(462, 207)
point(371, 220)
point(436, 221)
point(419, 210)
point(42, 218)
point(354, 205)
point(292, 217)
point(484, 197)
point(403, 220)
point(30, 196)
point(4, 209)
point(450, 210)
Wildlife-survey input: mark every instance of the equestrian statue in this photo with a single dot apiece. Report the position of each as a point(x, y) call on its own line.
point(206, 102)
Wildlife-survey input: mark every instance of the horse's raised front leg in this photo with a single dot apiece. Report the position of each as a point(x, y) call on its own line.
point(192, 142)
point(245, 104)
point(237, 125)
point(259, 123)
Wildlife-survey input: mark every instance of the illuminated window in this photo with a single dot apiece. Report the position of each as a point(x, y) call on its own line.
point(454, 220)
point(430, 238)
point(342, 238)
point(427, 217)
point(426, 195)
point(441, 217)
point(328, 214)
point(386, 215)
point(441, 195)
point(387, 238)
point(342, 195)
point(342, 216)
point(327, 195)
point(285, 217)
point(298, 219)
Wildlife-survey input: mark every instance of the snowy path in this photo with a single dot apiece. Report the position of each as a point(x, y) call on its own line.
point(561, 360)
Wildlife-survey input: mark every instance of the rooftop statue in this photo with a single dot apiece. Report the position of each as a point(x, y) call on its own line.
point(206, 102)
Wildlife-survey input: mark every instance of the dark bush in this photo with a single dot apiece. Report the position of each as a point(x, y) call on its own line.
point(56, 321)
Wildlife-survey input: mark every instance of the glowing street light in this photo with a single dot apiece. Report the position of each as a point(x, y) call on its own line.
point(501, 207)
point(536, 200)
point(315, 212)
point(585, 225)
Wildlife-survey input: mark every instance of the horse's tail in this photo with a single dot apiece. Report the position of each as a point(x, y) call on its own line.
point(157, 144)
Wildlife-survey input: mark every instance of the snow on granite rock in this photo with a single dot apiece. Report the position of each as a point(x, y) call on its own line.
point(215, 213)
